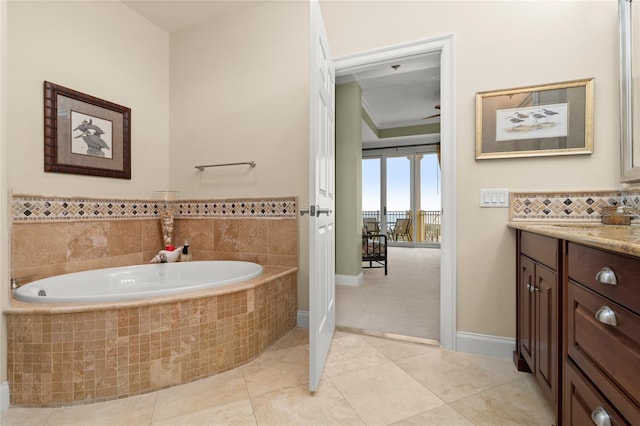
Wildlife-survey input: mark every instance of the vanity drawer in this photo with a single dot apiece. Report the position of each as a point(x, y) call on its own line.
point(582, 400)
point(584, 263)
point(543, 249)
point(609, 355)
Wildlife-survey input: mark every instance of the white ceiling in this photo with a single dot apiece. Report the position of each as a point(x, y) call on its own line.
point(399, 94)
point(392, 97)
point(177, 15)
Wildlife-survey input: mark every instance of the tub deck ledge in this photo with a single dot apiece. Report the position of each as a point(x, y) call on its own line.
point(269, 273)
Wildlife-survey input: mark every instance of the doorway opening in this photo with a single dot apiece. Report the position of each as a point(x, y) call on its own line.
point(444, 265)
point(400, 200)
point(401, 194)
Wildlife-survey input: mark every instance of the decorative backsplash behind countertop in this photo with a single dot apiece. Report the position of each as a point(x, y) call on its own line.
point(36, 208)
point(566, 206)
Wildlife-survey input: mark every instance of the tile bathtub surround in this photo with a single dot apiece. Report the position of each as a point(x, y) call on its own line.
point(566, 206)
point(40, 250)
point(264, 241)
point(64, 356)
point(52, 236)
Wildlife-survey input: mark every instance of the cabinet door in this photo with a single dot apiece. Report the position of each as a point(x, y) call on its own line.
point(527, 311)
point(547, 324)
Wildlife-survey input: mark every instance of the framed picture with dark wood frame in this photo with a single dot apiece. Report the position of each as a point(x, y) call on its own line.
point(551, 119)
point(85, 135)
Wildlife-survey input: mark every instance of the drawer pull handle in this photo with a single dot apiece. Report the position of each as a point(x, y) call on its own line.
point(606, 276)
point(600, 417)
point(532, 288)
point(606, 316)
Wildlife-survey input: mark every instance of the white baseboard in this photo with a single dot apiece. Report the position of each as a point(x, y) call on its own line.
point(303, 319)
point(482, 344)
point(4, 396)
point(501, 347)
point(350, 279)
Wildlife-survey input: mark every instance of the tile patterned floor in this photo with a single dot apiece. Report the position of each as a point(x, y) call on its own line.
point(367, 381)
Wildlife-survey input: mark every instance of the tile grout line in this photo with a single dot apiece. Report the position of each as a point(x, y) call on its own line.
point(394, 362)
point(244, 380)
point(153, 412)
point(344, 398)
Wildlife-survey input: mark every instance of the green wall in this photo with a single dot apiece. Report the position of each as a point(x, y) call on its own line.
point(348, 179)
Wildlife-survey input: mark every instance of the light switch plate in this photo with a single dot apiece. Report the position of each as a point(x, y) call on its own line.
point(494, 197)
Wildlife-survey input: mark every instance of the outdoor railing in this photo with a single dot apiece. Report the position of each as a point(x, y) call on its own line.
point(427, 224)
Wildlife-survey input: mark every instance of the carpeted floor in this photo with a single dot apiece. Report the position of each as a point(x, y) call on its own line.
point(404, 302)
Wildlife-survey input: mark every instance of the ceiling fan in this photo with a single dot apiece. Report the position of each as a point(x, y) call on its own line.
point(434, 115)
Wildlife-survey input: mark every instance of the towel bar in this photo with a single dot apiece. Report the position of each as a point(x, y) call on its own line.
point(251, 163)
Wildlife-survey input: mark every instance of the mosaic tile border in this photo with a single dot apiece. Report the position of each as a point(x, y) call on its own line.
point(36, 208)
point(631, 199)
point(261, 208)
point(566, 206)
point(524, 206)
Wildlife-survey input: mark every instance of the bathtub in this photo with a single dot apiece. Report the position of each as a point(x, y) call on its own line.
point(136, 282)
point(72, 353)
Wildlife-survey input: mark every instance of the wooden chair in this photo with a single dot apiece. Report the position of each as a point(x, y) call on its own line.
point(401, 229)
point(371, 225)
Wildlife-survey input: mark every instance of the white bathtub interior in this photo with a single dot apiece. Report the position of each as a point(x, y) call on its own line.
point(137, 282)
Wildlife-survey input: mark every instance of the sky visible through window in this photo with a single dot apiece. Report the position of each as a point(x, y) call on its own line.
point(398, 183)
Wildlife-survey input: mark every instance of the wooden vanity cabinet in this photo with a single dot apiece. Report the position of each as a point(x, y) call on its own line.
point(602, 372)
point(538, 345)
point(578, 328)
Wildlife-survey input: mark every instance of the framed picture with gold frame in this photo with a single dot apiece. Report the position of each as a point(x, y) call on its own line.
point(551, 119)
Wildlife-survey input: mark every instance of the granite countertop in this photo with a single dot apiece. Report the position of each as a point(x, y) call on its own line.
point(624, 239)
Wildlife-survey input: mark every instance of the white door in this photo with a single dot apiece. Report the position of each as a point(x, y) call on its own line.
point(322, 288)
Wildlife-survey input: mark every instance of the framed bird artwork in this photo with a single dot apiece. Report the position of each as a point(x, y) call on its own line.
point(551, 119)
point(85, 135)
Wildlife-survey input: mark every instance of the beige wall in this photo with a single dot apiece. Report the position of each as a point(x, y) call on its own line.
point(99, 48)
point(239, 92)
point(4, 221)
point(103, 49)
point(501, 45)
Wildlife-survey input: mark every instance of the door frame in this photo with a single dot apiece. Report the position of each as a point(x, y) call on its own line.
point(349, 64)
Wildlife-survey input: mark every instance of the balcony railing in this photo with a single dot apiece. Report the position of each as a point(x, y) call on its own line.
point(428, 222)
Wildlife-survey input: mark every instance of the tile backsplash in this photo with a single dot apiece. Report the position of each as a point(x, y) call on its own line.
point(57, 235)
point(566, 206)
